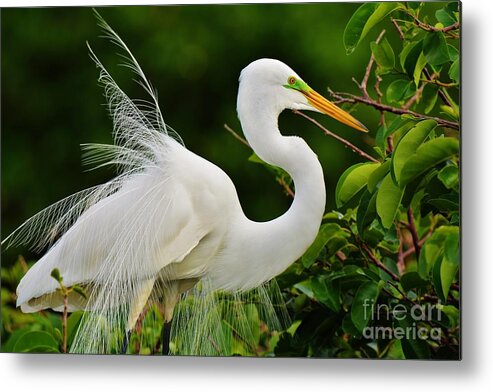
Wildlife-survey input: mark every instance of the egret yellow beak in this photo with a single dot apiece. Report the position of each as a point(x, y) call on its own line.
point(329, 108)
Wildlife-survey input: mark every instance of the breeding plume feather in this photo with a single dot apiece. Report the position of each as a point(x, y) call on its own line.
point(170, 223)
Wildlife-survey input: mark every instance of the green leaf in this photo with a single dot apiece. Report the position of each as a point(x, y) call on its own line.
point(348, 326)
point(363, 303)
point(366, 210)
point(408, 144)
point(420, 64)
point(398, 126)
point(450, 262)
point(453, 52)
point(397, 90)
point(55, 274)
point(79, 290)
point(73, 322)
point(388, 200)
point(445, 17)
point(409, 57)
point(449, 176)
point(435, 48)
point(453, 72)
point(41, 349)
point(412, 346)
point(325, 233)
point(452, 313)
point(33, 339)
point(427, 156)
point(327, 292)
point(363, 20)
point(436, 278)
point(430, 96)
point(450, 112)
point(57, 334)
point(8, 346)
point(352, 181)
point(447, 203)
point(412, 280)
point(390, 241)
point(433, 249)
point(378, 174)
point(383, 53)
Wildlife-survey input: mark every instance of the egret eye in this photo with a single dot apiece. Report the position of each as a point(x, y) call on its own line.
point(291, 80)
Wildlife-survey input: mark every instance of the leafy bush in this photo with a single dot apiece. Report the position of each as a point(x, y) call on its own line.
point(381, 279)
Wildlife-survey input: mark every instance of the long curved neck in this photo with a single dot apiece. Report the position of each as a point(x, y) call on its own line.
point(278, 243)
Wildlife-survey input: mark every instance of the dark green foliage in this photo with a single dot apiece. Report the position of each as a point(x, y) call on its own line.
point(381, 300)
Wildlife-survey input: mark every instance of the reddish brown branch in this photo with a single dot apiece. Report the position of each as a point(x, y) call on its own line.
point(414, 98)
point(408, 252)
point(401, 34)
point(364, 82)
point(428, 27)
point(285, 186)
point(236, 136)
point(441, 94)
point(64, 322)
point(337, 137)
point(351, 98)
point(412, 228)
point(378, 263)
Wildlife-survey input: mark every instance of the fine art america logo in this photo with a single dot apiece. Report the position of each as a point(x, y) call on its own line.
point(409, 323)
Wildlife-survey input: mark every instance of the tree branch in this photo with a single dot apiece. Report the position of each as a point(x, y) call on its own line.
point(378, 263)
point(236, 136)
point(412, 249)
point(412, 228)
point(351, 98)
point(401, 34)
point(286, 187)
point(428, 27)
point(364, 82)
point(337, 137)
point(414, 98)
point(431, 79)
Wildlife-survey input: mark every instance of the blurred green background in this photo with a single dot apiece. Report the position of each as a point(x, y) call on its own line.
point(193, 55)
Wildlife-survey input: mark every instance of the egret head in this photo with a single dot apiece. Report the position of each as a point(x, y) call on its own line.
point(273, 81)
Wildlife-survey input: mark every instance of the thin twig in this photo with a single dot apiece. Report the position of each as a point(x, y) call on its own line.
point(341, 256)
point(64, 322)
point(236, 136)
point(214, 344)
point(337, 137)
point(441, 94)
point(412, 228)
point(378, 263)
point(286, 187)
point(408, 252)
point(416, 96)
point(364, 82)
point(428, 27)
point(401, 265)
point(351, 98)
point(401, 34)
point(379, 98)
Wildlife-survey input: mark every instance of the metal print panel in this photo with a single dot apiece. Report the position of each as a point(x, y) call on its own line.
point(253, 180)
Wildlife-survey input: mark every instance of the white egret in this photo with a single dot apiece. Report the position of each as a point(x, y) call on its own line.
point(171, 218)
